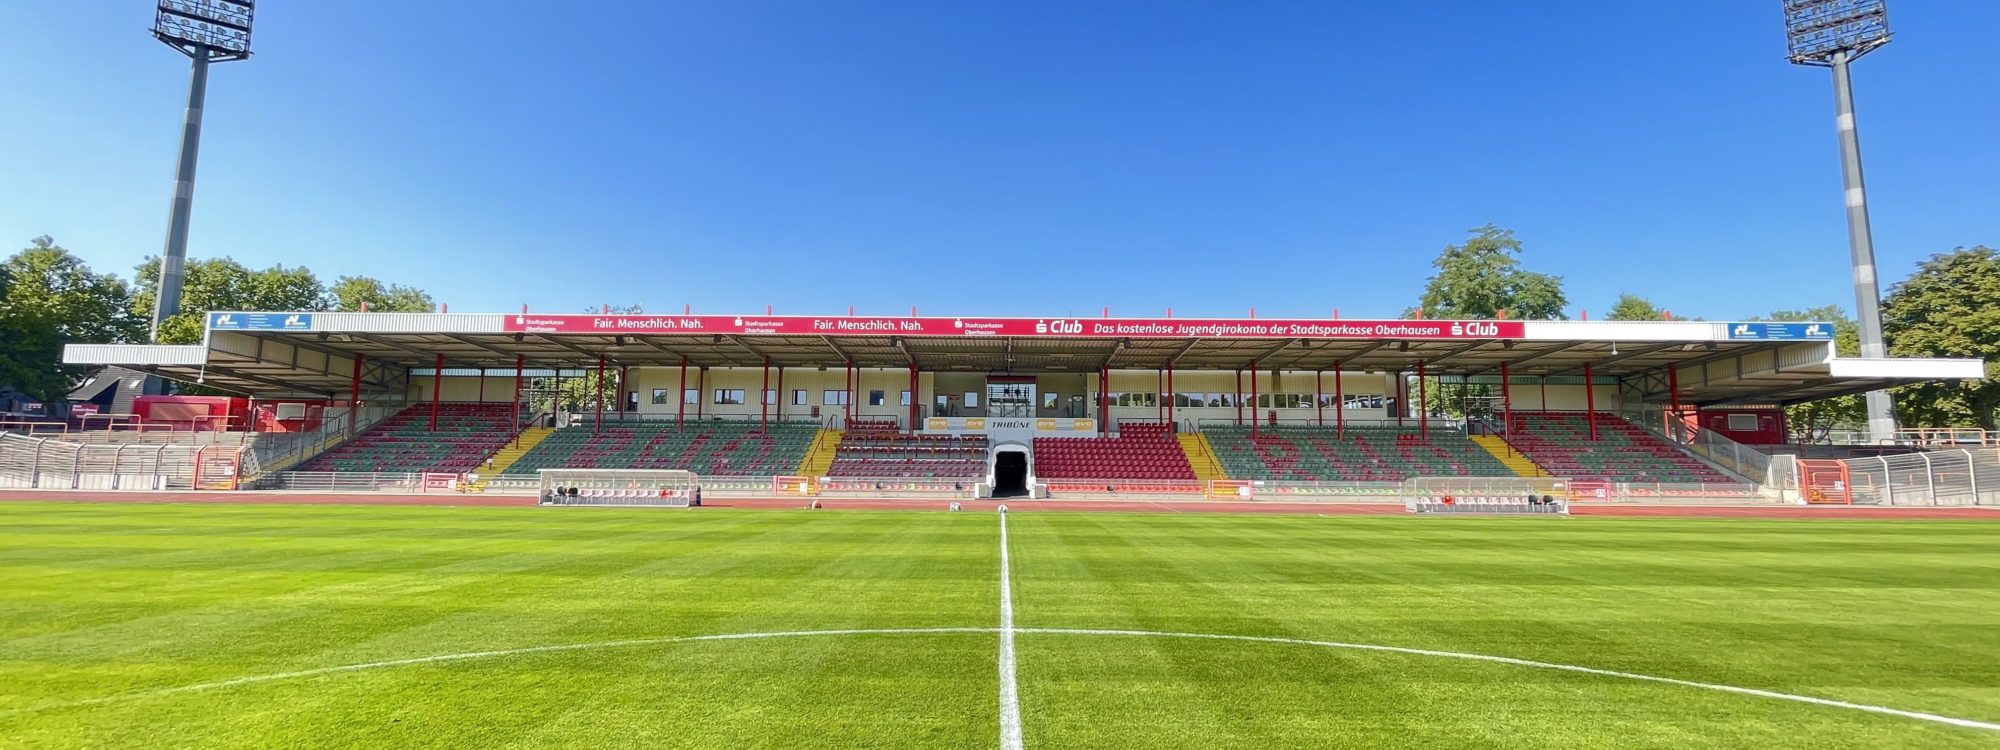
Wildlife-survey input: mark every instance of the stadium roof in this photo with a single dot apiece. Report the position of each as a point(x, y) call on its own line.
point(1717, 362)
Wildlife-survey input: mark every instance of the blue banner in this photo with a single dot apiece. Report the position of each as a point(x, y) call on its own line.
point(260, 321)
point(1781, 331)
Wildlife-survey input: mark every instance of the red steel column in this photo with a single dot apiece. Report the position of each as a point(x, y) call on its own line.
point(520, 363)
point(700, 392)
point(1545, 393)
point(1173, 413)
point(681, 399)
point(437, 384)
point(354, 396)
point(1590, 399)
point(1506, 403)
point(599, 426)
point(847, 384)
point(1423, 400)
point(482, 385)
point(1160, 404)
point(913, 398)
point(779, 397)
point(764, 398)
point(624, 382)
point(1339, 407)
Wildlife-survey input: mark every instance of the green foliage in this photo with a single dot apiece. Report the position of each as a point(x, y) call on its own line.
point(1634, 307)
point(1482, 277)
point(47, 281)
point(349, 293)
point(1949, 308)
point(48, 297)
point(224, 284)
point(1812, 422)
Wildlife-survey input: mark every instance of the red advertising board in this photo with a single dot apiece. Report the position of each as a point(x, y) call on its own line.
point(1172, 328)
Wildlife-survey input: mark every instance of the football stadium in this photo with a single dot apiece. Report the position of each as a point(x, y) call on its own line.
point(768, 527)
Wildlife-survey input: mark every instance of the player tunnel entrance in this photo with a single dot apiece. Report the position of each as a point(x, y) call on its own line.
point(1010, 473)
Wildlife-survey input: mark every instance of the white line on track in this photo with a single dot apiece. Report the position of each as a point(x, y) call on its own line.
point(1010, 694)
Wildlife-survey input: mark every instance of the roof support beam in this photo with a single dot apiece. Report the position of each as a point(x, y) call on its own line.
point(1537, 355)
point(1281, 349)
point(755, 353)
point(421, 357)
point(1641, 352)
point(845, 357)
point(588, 355)
point(475, 344)
point(650, 343)
point(240, 375)
point(1764, 394)
point(1176, 359)
point(1431, 363)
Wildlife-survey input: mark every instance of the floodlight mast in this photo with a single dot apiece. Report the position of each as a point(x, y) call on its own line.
point(1831, 34)
point(206, 31)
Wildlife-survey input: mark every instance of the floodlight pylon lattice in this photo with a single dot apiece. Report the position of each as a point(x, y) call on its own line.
point(1832, 34)
point(206, 31)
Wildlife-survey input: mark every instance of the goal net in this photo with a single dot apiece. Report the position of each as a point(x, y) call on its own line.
point(671, 488)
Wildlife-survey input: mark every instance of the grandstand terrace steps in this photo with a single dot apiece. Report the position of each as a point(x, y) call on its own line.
point(875, 452)
point(1355, 454)
point(1201, 457)
point(499, 462)
point(1514, 460)
point(1561, 443)
point(711, 447)
point(1141, 451)
point(820, 458)
point(467, 433)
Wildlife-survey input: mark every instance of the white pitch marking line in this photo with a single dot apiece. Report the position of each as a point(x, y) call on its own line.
point(1918, 715)
point(255, 679)
point(1010, 695)
point(469, 655)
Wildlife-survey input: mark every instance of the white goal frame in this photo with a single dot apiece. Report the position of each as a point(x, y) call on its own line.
point(665, 488)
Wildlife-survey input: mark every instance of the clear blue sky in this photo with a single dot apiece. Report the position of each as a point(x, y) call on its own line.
point(1007, 158)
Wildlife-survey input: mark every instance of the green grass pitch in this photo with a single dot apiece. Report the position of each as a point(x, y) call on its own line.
point(157, 626)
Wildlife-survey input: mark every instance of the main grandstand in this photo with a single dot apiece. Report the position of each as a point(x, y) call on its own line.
point(1015, 405)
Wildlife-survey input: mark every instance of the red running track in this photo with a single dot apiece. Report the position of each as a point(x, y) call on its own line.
point(1115, 506)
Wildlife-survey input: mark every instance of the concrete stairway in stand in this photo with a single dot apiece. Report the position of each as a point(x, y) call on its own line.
point(1512, 459)
point(1201, 456)
point(505, 457)
point(819, 459)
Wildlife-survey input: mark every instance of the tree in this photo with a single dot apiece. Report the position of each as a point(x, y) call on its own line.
point(1948, 309)
point(224, 284)
point(1634, 307)
point(350, 293)
point(1482, 277)
point(46, 280)
point(1814, 421)
point(48, 297)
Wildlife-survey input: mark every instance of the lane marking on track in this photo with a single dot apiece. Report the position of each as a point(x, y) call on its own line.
point(473, 655)
point(1010, 695)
